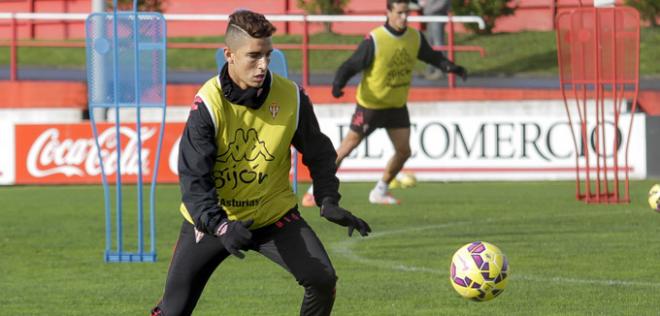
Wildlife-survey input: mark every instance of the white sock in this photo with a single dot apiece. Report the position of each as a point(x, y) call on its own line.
point(381, 186)
point(311, 190)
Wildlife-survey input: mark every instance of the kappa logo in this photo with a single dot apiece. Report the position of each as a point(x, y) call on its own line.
point(401, 58)
point(358, 119)
point(246, 146)
point(401, 66)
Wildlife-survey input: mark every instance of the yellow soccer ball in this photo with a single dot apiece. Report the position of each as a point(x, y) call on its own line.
point(654, 197)
point(408, 180)
point(479, 271)
point(395, 184)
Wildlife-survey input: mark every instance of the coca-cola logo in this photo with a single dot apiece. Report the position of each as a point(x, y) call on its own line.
point(50, 155)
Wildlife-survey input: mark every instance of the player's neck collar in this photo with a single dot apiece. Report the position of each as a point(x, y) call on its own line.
point(250, 97)
point(392, 30)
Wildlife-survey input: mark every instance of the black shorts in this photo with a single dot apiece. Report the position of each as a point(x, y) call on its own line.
point(365, 121)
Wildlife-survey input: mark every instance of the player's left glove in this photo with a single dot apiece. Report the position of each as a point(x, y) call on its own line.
point(340, 216)
point(458, 70)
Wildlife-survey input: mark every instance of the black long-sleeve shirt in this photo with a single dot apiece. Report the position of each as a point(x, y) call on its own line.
point(363, 57)
point(198, 151)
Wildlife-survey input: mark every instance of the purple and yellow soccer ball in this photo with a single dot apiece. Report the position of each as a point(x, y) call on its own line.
point(479, 271)
point(654, 197)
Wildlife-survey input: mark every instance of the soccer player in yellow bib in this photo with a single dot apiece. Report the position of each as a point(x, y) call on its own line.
point(234, 163)
point(387, 58)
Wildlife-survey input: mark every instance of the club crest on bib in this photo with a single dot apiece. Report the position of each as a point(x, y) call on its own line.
point(274, 109)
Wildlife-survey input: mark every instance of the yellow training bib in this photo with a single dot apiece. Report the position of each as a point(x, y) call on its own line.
point(386, 82)
point(252, 165)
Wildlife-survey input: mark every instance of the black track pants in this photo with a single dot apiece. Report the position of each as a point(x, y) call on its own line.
point(290, 242)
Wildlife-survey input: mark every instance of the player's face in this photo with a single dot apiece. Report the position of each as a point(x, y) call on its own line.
point(248, 62)
point(397, 17)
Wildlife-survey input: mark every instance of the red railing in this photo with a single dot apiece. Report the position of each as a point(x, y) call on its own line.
point(14, 43)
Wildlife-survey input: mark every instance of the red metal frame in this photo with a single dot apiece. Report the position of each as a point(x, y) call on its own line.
point(32, 26)
point(305, 47)
point(13, 52)
point(305, 53)
point(451, 78)
point(598, 54)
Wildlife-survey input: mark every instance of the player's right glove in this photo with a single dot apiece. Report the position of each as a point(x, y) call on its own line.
point(235, 236)
point(334, 213)
point(337, 91)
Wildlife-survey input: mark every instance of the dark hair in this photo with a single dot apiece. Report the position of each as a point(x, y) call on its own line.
point(391, 2)
point(254, 24)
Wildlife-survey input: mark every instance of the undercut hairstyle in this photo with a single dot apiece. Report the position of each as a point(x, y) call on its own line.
point(244, 23)
point(391, 2)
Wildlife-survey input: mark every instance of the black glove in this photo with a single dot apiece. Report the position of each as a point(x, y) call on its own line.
point(458, 70)
point(332, 212)
point(337, 91)
point(235, 236)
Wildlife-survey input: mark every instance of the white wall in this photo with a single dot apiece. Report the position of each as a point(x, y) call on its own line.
point(524, 140)
point(7, 153)
point(41, 115)
point(451, 141)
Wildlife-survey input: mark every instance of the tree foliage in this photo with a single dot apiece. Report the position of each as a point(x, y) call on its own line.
point(649, 10)
point(489, 10)
point(322, 6)
point(143, 5)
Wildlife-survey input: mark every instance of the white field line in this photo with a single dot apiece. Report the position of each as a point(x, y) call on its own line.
point(344, 248)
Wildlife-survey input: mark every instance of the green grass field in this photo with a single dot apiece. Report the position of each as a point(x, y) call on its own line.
point(566, 258)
